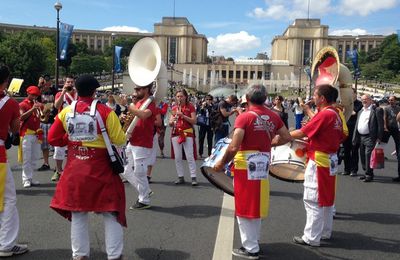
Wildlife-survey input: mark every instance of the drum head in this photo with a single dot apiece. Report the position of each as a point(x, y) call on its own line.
point(218, 179)
point(287, 172)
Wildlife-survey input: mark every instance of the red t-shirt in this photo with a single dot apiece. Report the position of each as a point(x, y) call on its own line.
point(187, 110)
point(9, 112)
point(255, 137)
point(68, 98)
point(325, 131)
point(142, 134)
point(32, 122)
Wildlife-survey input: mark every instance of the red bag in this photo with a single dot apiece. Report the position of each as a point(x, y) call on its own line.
point(377, 158)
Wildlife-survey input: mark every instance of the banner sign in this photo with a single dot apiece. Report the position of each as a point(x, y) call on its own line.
point(117, 63)
point(65, 35)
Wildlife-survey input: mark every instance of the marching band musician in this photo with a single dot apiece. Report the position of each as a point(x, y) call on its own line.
point(88, 182)
point(138, 150)
point(325, 131)
point(63, 99)
point(30, 133)
point(182, 119)
point(251, 150)
point(9, 217)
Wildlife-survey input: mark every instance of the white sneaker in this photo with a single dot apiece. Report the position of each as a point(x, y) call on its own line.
point(27, 184)
point(18, 249)
point(35, 183)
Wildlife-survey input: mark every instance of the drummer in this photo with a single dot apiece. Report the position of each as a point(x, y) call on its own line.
point(326, 130)
point(250, 148)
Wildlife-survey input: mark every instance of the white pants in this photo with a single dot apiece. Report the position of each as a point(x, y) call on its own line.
point(319, 220)
point(250, 233)
point(9, 219)
point(30, 151)
point(153, 156)
point(319, 223)
point(80, 241)
point(59, 153)
point(136, 171)
point(188, 147)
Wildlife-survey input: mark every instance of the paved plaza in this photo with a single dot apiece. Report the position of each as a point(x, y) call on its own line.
point(188, 222)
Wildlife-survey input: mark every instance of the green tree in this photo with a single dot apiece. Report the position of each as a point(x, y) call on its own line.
point(25, 55)
point(83, 63)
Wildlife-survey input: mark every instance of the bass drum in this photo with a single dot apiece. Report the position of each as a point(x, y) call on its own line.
point(222, 180)
point(288, 161)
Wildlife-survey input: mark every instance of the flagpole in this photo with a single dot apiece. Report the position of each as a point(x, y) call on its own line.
point(113, 62)
point(308, 10)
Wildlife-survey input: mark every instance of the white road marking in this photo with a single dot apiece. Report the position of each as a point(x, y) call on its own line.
point(224, 239)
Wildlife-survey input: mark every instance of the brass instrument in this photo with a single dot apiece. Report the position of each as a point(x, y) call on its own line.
point(127, 121)
point(145, 66)
point(46, 112)
point(327, 69)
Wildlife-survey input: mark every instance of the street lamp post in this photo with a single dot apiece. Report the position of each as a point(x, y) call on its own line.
point(356, 70)
point(58, 7)
point(113, 62)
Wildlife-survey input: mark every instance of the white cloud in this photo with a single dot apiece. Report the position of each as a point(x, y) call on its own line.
point(230, 43)
point(124, 28)
point(291, 9)
point(356, 31)
point(365, 7)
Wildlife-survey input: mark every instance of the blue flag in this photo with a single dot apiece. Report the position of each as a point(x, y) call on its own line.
point(353, 55)
point(398, 36)
point(117, 63)
point(65, 35)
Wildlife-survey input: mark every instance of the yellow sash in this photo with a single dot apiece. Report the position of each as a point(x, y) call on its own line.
point(20, 153)
point(3, 178)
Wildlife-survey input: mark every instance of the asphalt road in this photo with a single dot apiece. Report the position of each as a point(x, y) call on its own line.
point(183, 220)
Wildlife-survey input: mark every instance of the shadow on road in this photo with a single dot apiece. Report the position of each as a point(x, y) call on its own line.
point(190, 211)
point(152, 253)
point(357, 241)
point(381, 218)
point(292, 195)
point(35, 192)
point(59, 254)
point(287, 251)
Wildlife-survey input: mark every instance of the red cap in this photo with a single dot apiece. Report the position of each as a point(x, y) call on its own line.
point(33, 90)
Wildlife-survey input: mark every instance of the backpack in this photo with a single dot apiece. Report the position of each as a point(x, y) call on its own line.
point(216, 118)
point(82, 127)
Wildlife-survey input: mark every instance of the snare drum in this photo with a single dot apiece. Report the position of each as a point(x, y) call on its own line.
point(222, 180)
point(288, 161)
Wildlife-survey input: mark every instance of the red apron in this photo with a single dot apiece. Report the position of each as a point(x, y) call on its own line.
point(91, 188)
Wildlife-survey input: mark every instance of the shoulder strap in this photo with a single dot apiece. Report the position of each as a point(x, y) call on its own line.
point(4, 101)
point(73, 108)
point(105, 136)
point(263, 122)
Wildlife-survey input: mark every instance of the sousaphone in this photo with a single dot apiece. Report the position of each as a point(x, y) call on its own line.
point(327, 69)
point(145, 67)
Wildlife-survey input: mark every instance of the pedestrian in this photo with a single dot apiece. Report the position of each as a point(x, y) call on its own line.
point(351, 151)
point(163, 108)
point(391, 128)
point(31, 135)
point(280, 110)
point(204, 112)
point(88, 183)
point(9, 218)
point(63, 99)
point(298, 112)
point(367, 133)
point(325, 131)
point(250, 149)
point(220, 122)
point(182, 119)
point(139, 148)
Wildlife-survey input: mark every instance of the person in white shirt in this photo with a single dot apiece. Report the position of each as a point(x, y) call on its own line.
point(368, 131)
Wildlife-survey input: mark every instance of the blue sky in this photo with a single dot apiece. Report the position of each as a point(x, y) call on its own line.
point(235, 28)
